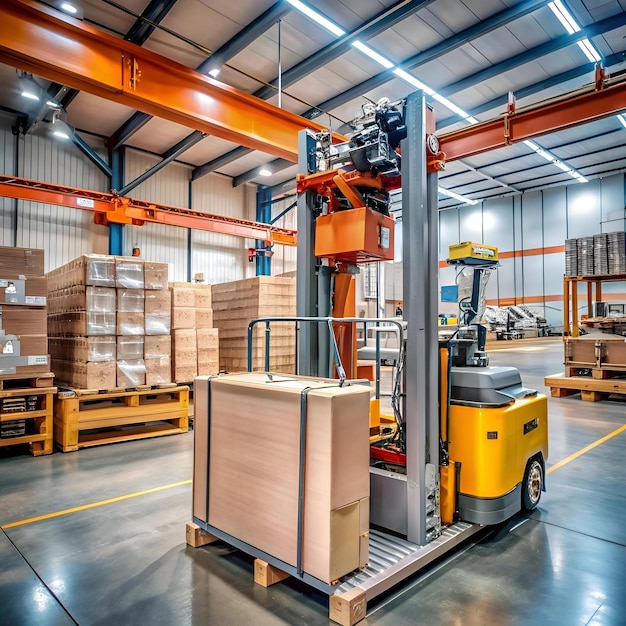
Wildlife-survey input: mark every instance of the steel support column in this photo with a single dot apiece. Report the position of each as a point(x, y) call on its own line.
point(419, 233)
point(263, 215)
point(116, 231)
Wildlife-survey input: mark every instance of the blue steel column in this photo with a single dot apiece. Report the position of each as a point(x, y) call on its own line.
point(116, 231)
point(419, 296)
point(263, 215)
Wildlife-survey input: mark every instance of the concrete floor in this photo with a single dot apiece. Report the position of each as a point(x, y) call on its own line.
point(126, 561)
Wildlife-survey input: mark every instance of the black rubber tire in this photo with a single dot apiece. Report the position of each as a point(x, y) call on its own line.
point(532, 485)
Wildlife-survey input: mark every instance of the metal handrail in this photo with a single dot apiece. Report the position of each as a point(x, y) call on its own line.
point(329, 321)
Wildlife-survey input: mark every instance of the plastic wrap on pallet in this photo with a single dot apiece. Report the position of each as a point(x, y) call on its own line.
point(155, 275)
point(157, 346)
point(158, 370)
point(130, 323)
point(130, 300)
point(158, 323)
point(130, 348)
point(129, 273)
point(131, 372)
point(100, 299)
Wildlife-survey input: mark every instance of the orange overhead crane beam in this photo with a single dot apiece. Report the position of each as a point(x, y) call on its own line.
point(109, 207)
point(603, 99)
point(57, 47)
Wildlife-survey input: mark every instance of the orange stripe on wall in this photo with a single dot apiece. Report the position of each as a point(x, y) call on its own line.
point(609, 297)
point(515, 254)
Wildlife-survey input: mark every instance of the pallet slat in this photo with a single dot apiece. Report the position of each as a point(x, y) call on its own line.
point(80, 417)
point(592, 389)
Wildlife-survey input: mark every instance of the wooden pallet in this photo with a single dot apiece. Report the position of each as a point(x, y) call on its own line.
point(71, 392)
point(38, 433)
point(591, 389)
point(84, 418)
point(598, 373)
point(18, 381)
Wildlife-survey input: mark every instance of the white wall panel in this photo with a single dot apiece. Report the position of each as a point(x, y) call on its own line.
point(62, 232)
point(584, 209)
point(498, 223)
point(532, 275)
point(221, 258)
point(448, 231)
point(555, 217)
point(506, 279)
point(471, 223)
point(532, 221)
point(168, 186)
point(7, 166)
point(613, 201)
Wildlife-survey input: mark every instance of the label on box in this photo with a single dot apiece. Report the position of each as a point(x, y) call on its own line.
point(4, 284)
point(38, 360)
point(384, 237)
point(35, 300)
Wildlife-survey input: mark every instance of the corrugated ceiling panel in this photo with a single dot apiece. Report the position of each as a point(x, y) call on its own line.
point(62, 232)
point(7, 166)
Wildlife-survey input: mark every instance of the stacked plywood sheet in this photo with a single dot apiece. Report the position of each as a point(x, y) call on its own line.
point(236, 303)
point(256, 500)
point(102, 309)
point(23, 301)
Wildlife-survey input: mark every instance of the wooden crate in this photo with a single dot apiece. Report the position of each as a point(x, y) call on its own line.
point(85, 418)
point(38, 421)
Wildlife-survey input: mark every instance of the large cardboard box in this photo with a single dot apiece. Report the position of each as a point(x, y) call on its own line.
point(183, 294)
point(96, 375)
point(183, 317)
point(82, 323)
point(203, 299)
point(83, 349)
point(208, 351)
point(157, 346)
point(16, 262)
point(155, 275)
point(184, 355)
point(31, 291)
point(129, 273)
point(258, 503)
point(204, 318)
point(23, 320)
point(131, 373)
point(90, 269)
point(158, 370)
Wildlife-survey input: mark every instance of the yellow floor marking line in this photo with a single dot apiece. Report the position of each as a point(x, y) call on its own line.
point(93, 505)
point(145, 492)
point(591, 446)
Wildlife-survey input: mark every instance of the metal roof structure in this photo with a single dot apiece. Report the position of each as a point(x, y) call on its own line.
point(467, 54)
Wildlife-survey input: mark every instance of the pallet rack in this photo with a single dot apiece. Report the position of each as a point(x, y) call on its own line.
point(15, 406)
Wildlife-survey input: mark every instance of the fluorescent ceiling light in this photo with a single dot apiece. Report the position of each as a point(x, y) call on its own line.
point(318, 18)
point(456, 196)
point(400, 73)
point(622, 119)
point(214, 72)
point(590, 52)
point(30, 95)
point(564, 16)
point(372, 54)
point(548, 156)
point(60, 134)
point(68, 8)
point(265, 172)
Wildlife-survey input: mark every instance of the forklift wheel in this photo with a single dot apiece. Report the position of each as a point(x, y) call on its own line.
point(532, 485)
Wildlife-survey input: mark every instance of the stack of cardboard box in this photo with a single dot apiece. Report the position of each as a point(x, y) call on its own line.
point(23, 300)
point(236, 303)
point(109, 322)
point(194, 340)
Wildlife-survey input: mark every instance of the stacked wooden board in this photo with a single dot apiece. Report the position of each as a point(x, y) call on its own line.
point(194, 340)
point(601, 254)
point(236, 303)
point(109, 322)
point(256, 418)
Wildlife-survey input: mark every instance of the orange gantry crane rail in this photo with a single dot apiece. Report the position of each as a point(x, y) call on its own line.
point(111, 208)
